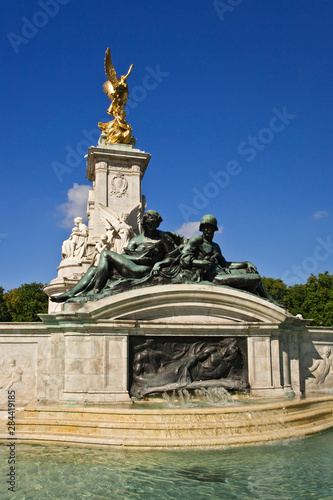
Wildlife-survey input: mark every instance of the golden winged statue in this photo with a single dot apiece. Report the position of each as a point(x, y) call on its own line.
point(118, 130)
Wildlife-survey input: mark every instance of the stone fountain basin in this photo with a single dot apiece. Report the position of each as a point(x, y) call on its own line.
point(145, 427)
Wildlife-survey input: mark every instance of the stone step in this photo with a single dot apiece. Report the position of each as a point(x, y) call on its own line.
point(303, 404)
point(173, 427)
point(203, 441)
point(151, 430)
point(180, 419)
point(201, 414)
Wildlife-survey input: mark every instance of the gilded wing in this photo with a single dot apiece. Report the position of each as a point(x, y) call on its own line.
point(109, 217)
point(112, 83)
point(109, 69)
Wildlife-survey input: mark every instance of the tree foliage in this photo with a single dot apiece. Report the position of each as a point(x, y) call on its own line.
point(26, 302)
point(4, 313)
point(276, 288)
point(314, 299)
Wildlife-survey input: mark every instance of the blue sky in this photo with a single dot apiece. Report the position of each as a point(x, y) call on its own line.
point(237, 114)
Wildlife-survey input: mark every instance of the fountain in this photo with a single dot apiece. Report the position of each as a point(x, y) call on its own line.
point(139, 315)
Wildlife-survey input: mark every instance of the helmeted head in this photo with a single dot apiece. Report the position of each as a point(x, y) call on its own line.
point(208, 219)
point(151, 216)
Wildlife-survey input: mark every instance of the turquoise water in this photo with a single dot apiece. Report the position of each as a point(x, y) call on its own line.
point(297, 469)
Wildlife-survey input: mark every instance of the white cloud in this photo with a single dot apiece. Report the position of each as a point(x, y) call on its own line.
point(76, 206)
point(320, 214)
point(189, 229)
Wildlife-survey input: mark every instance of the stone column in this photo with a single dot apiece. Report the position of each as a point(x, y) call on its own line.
point(286, 365)
point(294, 362)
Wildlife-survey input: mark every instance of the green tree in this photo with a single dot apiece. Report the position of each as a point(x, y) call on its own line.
point(26, 302)
point(318, 303)
point(4, 313)
point(276, 288)
point(314, 299)
point(295, 298)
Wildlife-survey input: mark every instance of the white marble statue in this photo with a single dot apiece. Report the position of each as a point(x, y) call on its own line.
point(102, 244)
point(75, 246)
point(118, 230)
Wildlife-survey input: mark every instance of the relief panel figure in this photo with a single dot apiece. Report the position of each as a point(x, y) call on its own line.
point(11, 374)
point(18, 374)
point(320, 368)
point(162, 365)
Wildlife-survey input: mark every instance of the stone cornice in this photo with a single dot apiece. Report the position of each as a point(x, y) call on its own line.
point(203, 309)
point(121, 156)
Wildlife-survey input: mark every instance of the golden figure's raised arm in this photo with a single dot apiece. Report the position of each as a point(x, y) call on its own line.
point(129, 72)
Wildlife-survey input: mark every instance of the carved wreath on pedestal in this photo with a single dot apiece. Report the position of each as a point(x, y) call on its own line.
point(119, 185)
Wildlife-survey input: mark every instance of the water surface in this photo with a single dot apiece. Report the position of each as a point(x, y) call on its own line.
point(296, 469)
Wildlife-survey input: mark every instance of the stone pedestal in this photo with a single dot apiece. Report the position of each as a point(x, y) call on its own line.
point(97, 336)
point(116, 172)
point(82, 352)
